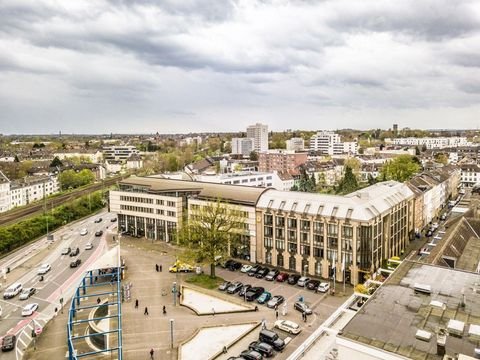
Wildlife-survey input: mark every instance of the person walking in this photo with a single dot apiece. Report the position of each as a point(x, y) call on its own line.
point(164, 310)
point(156, 267)
point(304, 316)
point(98, 300)
point(136, 303)
point(276, 314)
point(151, 353)
point(146, 311)
point(160, 267)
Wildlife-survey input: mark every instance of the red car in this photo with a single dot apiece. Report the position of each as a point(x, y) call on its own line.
point(282, 277)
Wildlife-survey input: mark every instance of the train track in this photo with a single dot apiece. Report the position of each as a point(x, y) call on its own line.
point(38, 207)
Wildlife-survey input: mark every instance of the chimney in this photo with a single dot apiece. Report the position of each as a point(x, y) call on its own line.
point(441, 341)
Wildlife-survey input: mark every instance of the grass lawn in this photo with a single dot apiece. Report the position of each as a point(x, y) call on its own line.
point(204, 281)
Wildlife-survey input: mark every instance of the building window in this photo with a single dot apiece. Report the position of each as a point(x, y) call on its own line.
point(347, 232)
point(268, 242)
point(280, 260)
point(268, 219)
point(292, 223)
point(292, 263)
point(318, 252)
point(305, 250)
point(292, 247)
point(268, 230)
point(279, 233)
point(305, 225)
point(332, 229)
point(279, 221)
point(292, 235)
point(268, 257)
point(280, 244)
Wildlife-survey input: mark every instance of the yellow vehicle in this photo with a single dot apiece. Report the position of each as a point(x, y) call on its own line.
point(180, 267)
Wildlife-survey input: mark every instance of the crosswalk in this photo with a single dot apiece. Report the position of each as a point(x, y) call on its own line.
point(24, 338)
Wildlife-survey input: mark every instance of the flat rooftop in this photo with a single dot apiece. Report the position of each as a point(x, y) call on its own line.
point(391, 317)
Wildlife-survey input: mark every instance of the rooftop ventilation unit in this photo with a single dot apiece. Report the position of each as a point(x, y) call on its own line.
point(455, 327)
point(438, 304)
point(422, 288)
point(423, 335)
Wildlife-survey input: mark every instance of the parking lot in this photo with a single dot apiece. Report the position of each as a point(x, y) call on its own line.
point(322, 304)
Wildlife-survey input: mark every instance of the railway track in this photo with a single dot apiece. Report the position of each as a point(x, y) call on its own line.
point(38, 207)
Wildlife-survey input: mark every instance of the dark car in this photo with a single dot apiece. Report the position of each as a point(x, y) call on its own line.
point(113, 219)
point(75, 252)
point(271, 337)
point(235, 265)
point(251, 355)
point(235, 287)
point(99, 233)
point(272, 275)
point(228, 263)
point(254, 270)
point(293, 278)
point(264, 297)
point(99, 220)
point(261, 347)
point(302, 307)
point(313, 284)
point(275, 301)
point(224, 286)
point(75, 263)
point(9, 342)
point(282, 277)
point(262, 273)
point(244, 289)
point(253, 293)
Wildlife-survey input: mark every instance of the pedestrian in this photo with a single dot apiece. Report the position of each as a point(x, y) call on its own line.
point(136, 303)
point(276, 314)
point(146, 311)
point(256, 308)
point(164, 310)
point(160, 267)
point(225, 350)
point(179, 294)
point(151, 353)
point(156, 267)
point(304, 316)
point(98, 300)
point(213, 311)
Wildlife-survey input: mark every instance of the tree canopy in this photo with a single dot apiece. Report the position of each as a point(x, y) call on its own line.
point(69, 179)
point(401, 168)
point(349, 182)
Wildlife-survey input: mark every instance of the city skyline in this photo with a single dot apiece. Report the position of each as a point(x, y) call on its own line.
point(96, 67)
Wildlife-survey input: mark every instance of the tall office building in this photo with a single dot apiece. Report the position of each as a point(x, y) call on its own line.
point(259, 134)
point(243, 146)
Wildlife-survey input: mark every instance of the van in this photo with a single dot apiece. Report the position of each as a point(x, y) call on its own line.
point(271, 337)
point(12, 291)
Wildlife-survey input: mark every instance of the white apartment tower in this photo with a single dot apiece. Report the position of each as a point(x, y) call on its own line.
point(259, 134)
point(243, 146)
point(329, 143)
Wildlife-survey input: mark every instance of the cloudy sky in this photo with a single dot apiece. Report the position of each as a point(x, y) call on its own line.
point(99, 66)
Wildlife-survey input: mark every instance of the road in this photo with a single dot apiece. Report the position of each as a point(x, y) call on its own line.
point(58, 283)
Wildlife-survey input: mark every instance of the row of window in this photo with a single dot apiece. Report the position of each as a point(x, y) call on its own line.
point(143, 200)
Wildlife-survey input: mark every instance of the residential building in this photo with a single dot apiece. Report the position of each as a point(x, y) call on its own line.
point(295, 144)
point(93, 156)
point(329, 143)
point(30, 189)
point(259, 134)
point(432, 143)
point(278, 181)
point(119, 153)
point(242, 146)
point(319, 234)
point(470, 174)
point(4, 193)
point(134, 162)
point(281, 161)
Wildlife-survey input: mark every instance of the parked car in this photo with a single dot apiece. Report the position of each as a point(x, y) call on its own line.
point(271, 338)
point(293, 278)
point(43, 269)
point(235, 287)
point(262, 273)
point(29, 309)
point(224, 286)
point(251, 355)
point(288, 326)
point(275, 301)
point(302, 307)
point(282, 277)
point(227, 263)
point(88, 246)
point(246, 268)
point(272, 275)
point(98, 220)
point(254, 270)
point(253, 293)
point(313, 284)
point(303, 281)
point(435, 226)
point(323, 287)
point(9, 342)
point(429, 233)
point(261, 347)
point(235, 265)
point(84, 232)
point(26, 293)
point(244, 289)
point(75, 263)
point(262, 299)
point(99, 233)
point(75, 252)
point(66, 251)
point(443, 217)
point(113, 219)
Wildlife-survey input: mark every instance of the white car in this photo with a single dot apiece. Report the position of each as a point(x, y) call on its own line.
point(43, 269)
point(29, 309)
point(323, 287)
point(83, 232)
point(245, 268)
point(88, 246)
point(288, 326)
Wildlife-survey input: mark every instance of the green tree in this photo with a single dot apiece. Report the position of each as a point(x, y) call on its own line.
point(254, 156)
point(211, 231)
point(349, 182)
point(417, 151)
point(441, 158)
point(56, 162)
point(401, 168)
point(16, 159)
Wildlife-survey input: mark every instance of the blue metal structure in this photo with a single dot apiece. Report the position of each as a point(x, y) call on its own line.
point(93, 286)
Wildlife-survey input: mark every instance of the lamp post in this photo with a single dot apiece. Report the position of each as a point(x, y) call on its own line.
point(174, 292)
point(171, 333)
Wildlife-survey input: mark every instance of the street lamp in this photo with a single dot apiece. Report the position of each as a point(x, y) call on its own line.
point(171, 333)
point(174, 292)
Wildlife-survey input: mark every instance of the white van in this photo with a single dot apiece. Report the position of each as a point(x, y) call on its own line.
point(12, 291)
